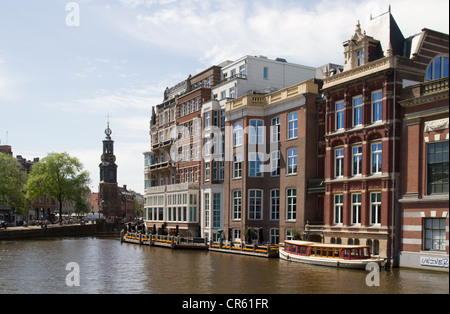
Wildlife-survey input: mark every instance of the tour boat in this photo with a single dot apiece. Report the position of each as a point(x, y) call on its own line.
point(336, 255)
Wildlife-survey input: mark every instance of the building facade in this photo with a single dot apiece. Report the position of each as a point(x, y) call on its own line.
point(424, 187)
point(271, 154)
point(364, 135)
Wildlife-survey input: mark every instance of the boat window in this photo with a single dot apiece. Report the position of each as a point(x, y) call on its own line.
point(365, 252)
point(336, 253)
point(313, 251)
point(354, 253)
point(303, 250)
point(346, 251)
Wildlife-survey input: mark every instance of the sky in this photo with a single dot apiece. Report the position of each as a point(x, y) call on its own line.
point(65, 66)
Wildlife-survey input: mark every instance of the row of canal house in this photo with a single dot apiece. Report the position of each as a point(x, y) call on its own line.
point(265, 150)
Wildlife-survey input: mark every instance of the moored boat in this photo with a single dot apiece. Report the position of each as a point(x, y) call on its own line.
point(335, 255)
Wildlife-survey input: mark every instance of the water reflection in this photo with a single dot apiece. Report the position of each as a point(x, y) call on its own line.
point(106, 266)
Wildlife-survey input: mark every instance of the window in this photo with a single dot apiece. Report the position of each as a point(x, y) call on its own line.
point(292, 161)
point(377, 106)
point(216, 210)
point(376, 149)
point(357, 159)
point(357, 111)
point(291, 204)
point(237, 205)
point(233, 73)
point(237, 166)
point(242, 71)
point(206, 196)
point(255, 204)
point(275, 163)
point(275, 204)
point(340, 115)
point(233, 92)
point(266, 73)
point(275, 130)
point(256, 132)
point(434, 234)
point(207, 171)
point(255, 164)
point(208, 120)
point(356, 209)
point(437, 168)
point(293, 124)
point(237, 134)
point(339, 162)
point(207, 146)
point(223, 95)
point(274, 236)
point(437, 69)
point(375, 208)
point(338, 208)
point(360, 57)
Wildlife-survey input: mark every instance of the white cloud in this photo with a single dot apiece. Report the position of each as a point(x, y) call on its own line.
point(301, 31)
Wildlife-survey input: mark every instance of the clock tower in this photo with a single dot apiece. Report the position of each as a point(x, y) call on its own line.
point(109, 198)
point(108, 167)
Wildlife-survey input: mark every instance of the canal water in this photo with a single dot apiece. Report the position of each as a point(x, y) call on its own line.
point(107, 266)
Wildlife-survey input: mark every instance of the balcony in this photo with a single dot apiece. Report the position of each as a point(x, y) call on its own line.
point(425, 92)
point(182, 187)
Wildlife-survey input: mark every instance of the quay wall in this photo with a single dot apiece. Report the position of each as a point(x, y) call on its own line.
point(22, 233)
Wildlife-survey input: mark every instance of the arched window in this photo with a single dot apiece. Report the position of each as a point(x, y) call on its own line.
point(437, 69)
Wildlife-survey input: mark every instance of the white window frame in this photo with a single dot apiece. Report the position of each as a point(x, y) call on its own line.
point(376, 155)
point(292, 125)
point(357, 110)
point(291, 205)
point(338, 209)
point(252, 208)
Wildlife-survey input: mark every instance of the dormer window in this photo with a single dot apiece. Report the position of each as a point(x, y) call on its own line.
point(360, 57)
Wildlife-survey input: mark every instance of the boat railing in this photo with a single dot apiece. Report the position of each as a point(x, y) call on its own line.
point(154, 238)
point(241, 246)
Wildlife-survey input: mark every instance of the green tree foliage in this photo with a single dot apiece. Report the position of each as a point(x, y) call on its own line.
point(12, 180)
point(62, 178)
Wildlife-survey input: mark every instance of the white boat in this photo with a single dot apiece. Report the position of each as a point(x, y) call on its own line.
point(335, 255)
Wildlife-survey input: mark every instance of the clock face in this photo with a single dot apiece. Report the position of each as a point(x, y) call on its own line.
point(108, 131)
point(112, 158)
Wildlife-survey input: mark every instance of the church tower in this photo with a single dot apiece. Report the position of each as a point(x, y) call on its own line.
point(109, 199)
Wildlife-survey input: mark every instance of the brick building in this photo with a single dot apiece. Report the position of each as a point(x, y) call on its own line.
point(364, 164)
point(423, 192)
point(271, 155)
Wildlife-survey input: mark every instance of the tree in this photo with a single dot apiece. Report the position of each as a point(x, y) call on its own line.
point(12, 181)
point(62, 178)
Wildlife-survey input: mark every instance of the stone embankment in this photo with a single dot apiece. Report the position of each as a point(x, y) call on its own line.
point(56, 230)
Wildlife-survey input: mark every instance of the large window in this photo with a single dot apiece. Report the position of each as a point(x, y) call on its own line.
point(357, 159)
point(237, 134)
point(275, 204)
point(291, 204)
point(255, 204)
point(437, 168)
point(377, 106)
point(338, 208)
point(375, 208)
point(339, 162)
point(293, 124)
point(292, 161)
point(255, 164)
point(437, 69)
point(206, 200)
point(340, 115)
point(216, 210)
point(376, 153)
point(256, 133)
point(434, 234)
point(237, 205)
point(275, 130)
point(357, 111)
point(275, 163)
point(237, 166)
point(356, 208)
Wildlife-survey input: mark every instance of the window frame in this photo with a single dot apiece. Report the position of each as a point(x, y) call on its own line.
point(339, 115)
point(292, 125)
point(253, 208)
point(291, 205)
point(357, 110)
